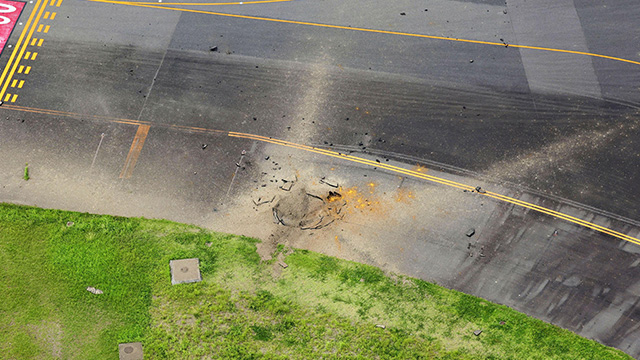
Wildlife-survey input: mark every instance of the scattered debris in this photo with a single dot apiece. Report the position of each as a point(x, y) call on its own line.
point(70, 223)
point(471, 61)
point(504, 11)
point(93, 290)
point(323, 181)
point(316, 196)
point(381, 326)
point(480, 190)
point(287, 184)
point(1, 102)
point(502, 323)
point(215, 48)
point(259, 202)
point(470, 233)
point(477, 332)
point(283, 264)
point(277, 217)
point(555, 232)
point(403, 13)
point(333, 196)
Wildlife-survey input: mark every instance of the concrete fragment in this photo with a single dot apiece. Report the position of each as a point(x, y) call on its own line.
point(470, 232)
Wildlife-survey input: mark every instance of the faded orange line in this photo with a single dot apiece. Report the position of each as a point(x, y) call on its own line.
point(136, 148)
point(134, 151)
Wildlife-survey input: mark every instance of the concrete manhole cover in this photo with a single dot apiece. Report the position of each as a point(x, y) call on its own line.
point(185, 271)
point(130, 351)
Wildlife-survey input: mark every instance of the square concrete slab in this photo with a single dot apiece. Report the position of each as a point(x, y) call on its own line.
point(130, 351)
point(185, 271)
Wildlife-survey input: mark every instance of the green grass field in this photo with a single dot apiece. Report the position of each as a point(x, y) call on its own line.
point(319, 307)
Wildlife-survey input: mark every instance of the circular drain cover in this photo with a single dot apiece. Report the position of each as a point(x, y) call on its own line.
point(128, 349)
point(184, 269)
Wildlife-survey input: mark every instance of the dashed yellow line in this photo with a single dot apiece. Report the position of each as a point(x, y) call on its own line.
point(42, 40)
point(16, 55)
point(33, 56)
point(13, 99)
point(46, 15)
point(27, 55)
point(40, 28)
point(7, 97)
point(46, 30)
point(59, 3)
point(20, 84)
point(368, 30)
point(14, 83)
point(27, 70)
point(33, 41)
point(53, 16)
point(20, 69)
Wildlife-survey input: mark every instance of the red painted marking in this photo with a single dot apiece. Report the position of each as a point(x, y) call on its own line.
point(9, 13)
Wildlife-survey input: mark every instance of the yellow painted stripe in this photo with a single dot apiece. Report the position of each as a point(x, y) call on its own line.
point(20, 69)
point(33, 41)
point(16, 55)
point(370, 30)
point(134, 151)
point(444, 182)
point(59, 3)
point(14, 83)
point(46, 30)
point(52, 2)
point(27, 55)
point(351, 158)
point(42, 40)
point(33, 57)
point(15, 96)
point(40, 28)
point(53, 16)
point(7, 97)
point(26, 71)
point(46, 15)
point(20, 84)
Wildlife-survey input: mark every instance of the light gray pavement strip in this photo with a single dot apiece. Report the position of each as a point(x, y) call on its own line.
point(553, 24)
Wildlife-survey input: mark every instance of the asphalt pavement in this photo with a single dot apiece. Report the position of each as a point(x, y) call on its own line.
point(135, 109)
